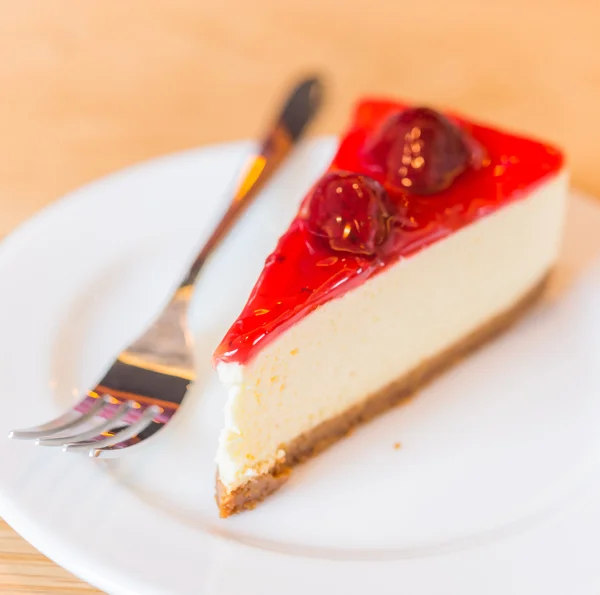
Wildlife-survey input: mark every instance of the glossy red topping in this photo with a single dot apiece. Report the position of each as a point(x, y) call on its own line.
point(313, 262)
point(420, 151)
point(348, 212)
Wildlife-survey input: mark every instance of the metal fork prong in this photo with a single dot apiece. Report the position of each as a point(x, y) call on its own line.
point(115, 451)
point(119, 414)
point(128, 432)
point(61, 423)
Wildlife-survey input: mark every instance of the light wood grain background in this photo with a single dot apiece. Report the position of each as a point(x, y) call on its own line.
point(87, 87)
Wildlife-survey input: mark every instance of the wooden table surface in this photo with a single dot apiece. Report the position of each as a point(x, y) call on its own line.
point(87, 87)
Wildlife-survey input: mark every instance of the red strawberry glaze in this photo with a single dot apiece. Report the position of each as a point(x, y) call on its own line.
point(302, 274)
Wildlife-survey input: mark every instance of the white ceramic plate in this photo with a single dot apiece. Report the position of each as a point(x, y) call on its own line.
point(496, 488)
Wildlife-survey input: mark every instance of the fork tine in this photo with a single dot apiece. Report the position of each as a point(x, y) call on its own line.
point(115, 450)
point(119, 414)
point(127, 432)
point(60, 424)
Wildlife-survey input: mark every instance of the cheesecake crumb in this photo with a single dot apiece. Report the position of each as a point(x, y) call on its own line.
point(280, 455)
point(397, 445)
point(294, 352)
point(274, 379)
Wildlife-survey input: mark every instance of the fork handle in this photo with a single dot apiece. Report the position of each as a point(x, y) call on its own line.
point(299, 109)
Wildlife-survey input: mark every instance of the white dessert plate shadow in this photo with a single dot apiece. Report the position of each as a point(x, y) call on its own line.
point(495, 487)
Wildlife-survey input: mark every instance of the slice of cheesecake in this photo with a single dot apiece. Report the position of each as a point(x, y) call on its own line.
point(426, 236)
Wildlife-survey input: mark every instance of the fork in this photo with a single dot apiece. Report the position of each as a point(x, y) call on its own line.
point(149, 380)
